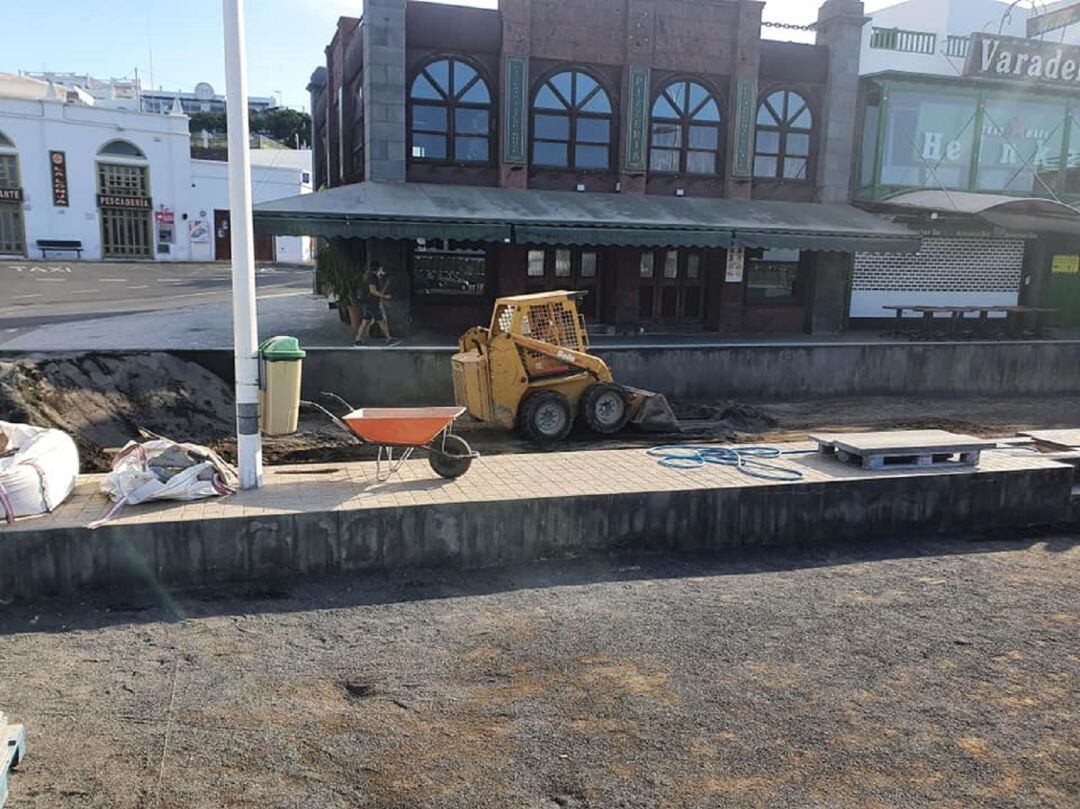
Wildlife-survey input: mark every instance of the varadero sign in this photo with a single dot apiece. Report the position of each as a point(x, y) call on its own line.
point(1025, 59)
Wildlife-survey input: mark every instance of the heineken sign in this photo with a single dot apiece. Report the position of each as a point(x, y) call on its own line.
point(1029, 60)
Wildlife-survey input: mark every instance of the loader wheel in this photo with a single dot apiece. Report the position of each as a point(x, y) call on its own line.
point(545, 416)
point(453, 463)
point(605, 408)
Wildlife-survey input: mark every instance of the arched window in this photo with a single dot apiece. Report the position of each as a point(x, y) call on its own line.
point(571, 123)
point(121, 148)
point(6, 142)
point(450, 113)
point(685, 133)
point(782, 144)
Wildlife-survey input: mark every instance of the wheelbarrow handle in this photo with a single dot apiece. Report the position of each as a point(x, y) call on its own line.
point(349, 408)
point(332, 418)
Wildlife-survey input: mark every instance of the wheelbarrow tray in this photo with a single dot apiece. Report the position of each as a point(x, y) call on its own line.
point(401, 426)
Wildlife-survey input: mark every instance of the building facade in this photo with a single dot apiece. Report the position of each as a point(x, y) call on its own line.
point(659, 119)
point(121, 183)
point(986, 165)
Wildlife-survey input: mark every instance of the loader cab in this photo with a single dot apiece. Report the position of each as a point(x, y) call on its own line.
point(550, 317)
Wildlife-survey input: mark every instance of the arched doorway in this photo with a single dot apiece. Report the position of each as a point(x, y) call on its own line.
point(12, 230)
point(123, 182)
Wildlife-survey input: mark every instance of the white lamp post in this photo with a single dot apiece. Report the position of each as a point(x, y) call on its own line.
point(245, 331)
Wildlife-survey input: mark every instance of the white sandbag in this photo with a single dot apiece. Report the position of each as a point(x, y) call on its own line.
point(38, 469)
point(165, 470)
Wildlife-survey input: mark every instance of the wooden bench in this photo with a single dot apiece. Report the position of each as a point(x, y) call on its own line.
point(59, 246)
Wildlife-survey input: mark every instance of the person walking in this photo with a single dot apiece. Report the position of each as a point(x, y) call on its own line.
point(374, 292)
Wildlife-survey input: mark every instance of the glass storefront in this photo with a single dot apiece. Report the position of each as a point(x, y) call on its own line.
point(1021, 146)
point(967, 137)
point(929, 139)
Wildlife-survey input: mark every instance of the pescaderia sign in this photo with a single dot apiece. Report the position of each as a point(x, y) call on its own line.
point(1024, 59)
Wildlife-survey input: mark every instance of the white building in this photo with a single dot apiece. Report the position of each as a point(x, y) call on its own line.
point(129, 93)
point(933, 36)
point(121, 184)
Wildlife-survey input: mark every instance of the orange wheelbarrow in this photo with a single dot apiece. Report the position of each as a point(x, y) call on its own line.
point(407, 429)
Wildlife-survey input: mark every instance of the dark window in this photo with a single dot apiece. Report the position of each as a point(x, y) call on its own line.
point(785, 125)
point(451, 116)
point(572, 123)
point(685, 130)
point(773, 278)
point(121, 148)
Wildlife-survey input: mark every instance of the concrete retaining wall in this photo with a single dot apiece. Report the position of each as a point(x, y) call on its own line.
point(754, 372)
point(747, 372)
point(488, 533)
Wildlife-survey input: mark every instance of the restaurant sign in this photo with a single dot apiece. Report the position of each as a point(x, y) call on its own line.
point(58, 168)
point(11, 195)
point(1003, 57)
point(114, 201)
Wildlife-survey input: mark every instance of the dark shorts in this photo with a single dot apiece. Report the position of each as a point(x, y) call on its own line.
point(371, 311)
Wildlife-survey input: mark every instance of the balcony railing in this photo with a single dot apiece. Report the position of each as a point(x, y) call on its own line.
point(897, 39)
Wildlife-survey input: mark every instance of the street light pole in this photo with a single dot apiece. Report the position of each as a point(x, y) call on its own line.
point(245, 331)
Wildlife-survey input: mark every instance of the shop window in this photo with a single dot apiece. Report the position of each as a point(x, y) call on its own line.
point(647, 263)
point(588, 265)
point(562, 263)
point(450, 114)
point(773, 278)
point(1020, 149)
point(675, 294)
point(440, 271)
point(685, 130)
point(785, 125)
point(536, 263)
point(671, 264)
point(572, 123)
point(929, 139)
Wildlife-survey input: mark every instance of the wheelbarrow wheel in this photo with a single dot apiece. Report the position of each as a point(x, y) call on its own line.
point(452, 459)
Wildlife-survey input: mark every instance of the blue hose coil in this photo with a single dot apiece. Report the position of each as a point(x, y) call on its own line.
point(751, 461)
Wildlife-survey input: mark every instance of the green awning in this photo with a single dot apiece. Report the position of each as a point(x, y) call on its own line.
point(620, 237)
point(527, 216)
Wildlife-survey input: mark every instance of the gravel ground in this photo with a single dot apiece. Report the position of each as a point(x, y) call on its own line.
point(940, 674)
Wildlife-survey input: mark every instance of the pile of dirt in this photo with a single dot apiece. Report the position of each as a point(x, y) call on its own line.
point(102, 401)
point(740, 418)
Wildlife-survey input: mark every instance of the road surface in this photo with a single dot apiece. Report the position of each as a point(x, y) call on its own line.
point(38, 294)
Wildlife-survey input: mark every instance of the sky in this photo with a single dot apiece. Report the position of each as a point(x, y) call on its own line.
point(180, 44)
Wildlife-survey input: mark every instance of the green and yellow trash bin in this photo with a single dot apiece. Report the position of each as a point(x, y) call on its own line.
point(280, 363)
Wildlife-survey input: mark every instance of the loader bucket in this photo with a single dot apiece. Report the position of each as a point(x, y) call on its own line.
point(651, 411)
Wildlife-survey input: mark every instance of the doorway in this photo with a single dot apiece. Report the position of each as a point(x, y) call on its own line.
point(671, 290)
point(12, 235)
point(124, 200)
point(265, 249)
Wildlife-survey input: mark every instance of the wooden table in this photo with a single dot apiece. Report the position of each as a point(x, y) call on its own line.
point(956, 315)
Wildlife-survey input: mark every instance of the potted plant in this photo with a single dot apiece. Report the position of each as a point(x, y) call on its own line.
point(338, 274)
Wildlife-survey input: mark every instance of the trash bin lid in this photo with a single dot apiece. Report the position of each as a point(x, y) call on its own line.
point(278, 349)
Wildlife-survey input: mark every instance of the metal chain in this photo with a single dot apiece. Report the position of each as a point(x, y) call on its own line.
point(789, 26)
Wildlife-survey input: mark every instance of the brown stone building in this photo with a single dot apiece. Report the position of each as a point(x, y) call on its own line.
point(657, 153)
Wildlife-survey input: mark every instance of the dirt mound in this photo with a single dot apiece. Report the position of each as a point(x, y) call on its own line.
point(741, 418)
point(102, 400)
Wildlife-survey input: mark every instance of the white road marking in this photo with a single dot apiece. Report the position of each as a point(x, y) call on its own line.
point(113, 280)
point(84, 291)
point(54, 280)
point(35, 295)
point(140, 287)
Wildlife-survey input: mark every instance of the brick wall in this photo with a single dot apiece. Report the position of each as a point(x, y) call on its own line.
point(947, 271)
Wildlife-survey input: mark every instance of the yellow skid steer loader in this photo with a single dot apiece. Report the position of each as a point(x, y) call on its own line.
point(531, 369)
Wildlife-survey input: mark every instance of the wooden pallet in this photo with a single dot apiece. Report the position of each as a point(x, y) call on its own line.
point(13, 739)
point(904, 449)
